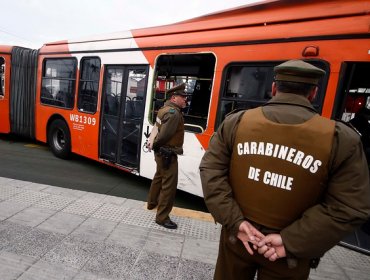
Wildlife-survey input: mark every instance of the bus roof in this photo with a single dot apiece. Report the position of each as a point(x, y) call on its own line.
point(260, 14)
point(5, 49)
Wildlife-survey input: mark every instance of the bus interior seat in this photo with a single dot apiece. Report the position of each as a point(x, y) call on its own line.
point(111, 105)
point(200, 98)
point(138, 107)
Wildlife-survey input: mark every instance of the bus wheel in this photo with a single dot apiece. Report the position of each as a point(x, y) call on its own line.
point(59, 139)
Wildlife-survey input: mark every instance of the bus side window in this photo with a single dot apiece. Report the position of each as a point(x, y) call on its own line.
point(58, 82)
point(88, 85)
point(197, 71)
point(245, 86)
point(2, 77)
point(248, 85)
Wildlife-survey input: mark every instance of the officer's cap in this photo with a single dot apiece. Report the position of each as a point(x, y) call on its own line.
point(298, 71)
point(177, 90)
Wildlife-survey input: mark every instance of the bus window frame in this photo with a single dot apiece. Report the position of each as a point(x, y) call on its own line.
point(75, 81)
point(197, 129)
point(319, 102)
point(79, 84)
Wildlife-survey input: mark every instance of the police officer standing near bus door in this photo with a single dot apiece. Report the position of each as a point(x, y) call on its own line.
point(167, 145)
point(285, 179)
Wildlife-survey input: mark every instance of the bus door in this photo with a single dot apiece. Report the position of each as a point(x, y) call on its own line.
point(352, 105)
point(122, 114)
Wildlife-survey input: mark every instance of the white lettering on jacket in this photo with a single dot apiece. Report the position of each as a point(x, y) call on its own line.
point(289, 154)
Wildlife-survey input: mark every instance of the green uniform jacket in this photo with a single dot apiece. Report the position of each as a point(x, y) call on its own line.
point(346, 202)
point(170, 128)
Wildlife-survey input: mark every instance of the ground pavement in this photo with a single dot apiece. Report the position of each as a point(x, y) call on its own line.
point(49, 232)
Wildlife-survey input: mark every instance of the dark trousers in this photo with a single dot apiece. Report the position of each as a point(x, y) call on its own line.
point(163, 188)
point(234, 262)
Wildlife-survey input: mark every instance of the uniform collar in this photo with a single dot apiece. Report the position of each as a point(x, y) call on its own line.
point(171, 104)
point(291, 99)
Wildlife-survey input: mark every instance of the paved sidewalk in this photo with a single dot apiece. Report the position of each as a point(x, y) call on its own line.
point(50, 232)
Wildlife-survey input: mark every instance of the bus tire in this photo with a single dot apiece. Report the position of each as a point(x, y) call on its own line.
point(59, 139)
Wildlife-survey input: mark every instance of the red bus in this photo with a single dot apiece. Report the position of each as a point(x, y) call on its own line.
point(98, 97)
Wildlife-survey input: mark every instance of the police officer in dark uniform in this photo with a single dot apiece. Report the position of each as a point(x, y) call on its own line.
point(167, 145)
point(285, 183)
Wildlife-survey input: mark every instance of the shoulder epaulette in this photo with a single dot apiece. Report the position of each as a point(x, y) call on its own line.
point(172, 110)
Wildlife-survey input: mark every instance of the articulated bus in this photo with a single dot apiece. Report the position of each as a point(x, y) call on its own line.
point(98, 96)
